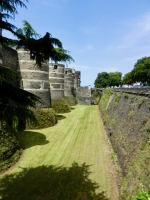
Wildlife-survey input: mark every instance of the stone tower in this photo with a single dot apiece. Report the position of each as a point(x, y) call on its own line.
point(34, 78)
point(56, 80)
point(77, 79)
point(68, 84)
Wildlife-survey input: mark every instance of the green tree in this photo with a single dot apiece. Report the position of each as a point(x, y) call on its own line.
point(102, 80)
point(42, 48)
point(8, 9)
point(115, 79)
point(128, 78)
point(141, 71)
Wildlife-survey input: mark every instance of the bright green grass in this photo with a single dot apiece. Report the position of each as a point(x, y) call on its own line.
point(78, 137)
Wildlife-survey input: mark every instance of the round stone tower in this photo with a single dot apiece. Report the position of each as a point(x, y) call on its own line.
point(56, 80)
point(68, 84)
point(33, 78)
point(77, 79)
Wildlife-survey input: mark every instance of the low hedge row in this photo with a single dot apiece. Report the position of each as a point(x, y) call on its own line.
point(10, 150)
point(46, 117)
point(71, 100)
point(60, 106)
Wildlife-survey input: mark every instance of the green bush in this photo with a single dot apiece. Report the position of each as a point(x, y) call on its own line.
point(71, 100)
point(60, 106)
point(10, 150)
point(142, 195)
point(46, 117)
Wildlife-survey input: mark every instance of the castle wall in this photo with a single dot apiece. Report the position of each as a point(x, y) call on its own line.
point(126, 115)
point(84, 95)
point(56, 80)
point(45, 82)
point(34, 78)
point(77, 78)
point(68, 84)
point(9, 57)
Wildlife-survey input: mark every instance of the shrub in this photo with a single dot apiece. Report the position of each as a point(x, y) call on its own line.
point(46, 117)
point(71, 100)
point(60, 106)
point(10, 150)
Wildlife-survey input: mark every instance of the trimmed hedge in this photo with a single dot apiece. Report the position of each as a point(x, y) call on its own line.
point(46, 117)
point(10, 150)
point(60, 106)
point(71, 100)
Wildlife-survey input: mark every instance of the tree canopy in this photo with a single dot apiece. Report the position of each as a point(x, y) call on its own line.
point(115, 79)
point(140, 72)
point(128, 78)
point(105, 79)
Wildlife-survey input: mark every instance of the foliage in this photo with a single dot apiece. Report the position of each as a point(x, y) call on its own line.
point(115, 79)
point(105, 79)
point(128, 78)
point(10, 150)
point(14, 102)
point(102, 80)
point(142, 195)
point(60, 106)
point(46, 117)
point(27, 31)
point(42, 48)
point(141, 71)
point(71, 100)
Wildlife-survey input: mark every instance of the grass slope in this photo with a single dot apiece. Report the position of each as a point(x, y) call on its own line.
point(78, 137)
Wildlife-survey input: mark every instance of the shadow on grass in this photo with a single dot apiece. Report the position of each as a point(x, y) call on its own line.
point(60, 117)
point(72, 108)
point(50, 183)
point(30, 138)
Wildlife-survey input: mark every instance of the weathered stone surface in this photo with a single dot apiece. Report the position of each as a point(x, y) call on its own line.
point(31, 65)
point(9, 57)
point(53, 80)
point(57, 94)
point(29, 84)
point(34, 75)
point(56, 75)
point(67, 92)
point(84, 95)
point(44, 95)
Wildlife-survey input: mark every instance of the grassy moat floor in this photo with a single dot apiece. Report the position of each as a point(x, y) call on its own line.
point(52, 161)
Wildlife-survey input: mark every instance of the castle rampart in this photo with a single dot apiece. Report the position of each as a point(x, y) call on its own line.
point(56, 80)
point(68, 82)
point(51, 81)
point(34, 79)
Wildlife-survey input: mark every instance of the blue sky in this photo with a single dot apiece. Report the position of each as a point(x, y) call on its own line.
point(101, 35)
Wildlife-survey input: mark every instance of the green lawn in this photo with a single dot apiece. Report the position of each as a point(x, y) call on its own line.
point(53, 158)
